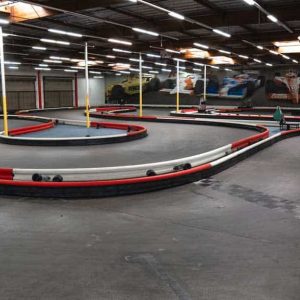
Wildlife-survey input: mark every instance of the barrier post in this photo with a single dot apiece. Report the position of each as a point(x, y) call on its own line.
point(141, 85)
point(87, 97)
point(177, 88)
point(4, 100)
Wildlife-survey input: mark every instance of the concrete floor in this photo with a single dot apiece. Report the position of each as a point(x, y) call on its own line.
point(234, 236)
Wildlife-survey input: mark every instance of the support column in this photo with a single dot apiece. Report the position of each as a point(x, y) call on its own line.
point(141, 85)
point(4, 100)
point(87, 97)
point(177, 87)
point(40, 90)
point(205, 83)
point(76, 91)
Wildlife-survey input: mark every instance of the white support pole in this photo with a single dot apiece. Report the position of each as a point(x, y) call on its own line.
point(177, 87)
point(4, 100)
point(141, 85)
point(87, 97)
point(205, 83)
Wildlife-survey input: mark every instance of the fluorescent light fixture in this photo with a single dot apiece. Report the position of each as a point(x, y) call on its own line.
point(272, 18)
point(295, 61)
point(39, 48)
point(101, 77)
point(70, 71)
point(244, 56)
point(166, 70)
point(160, 64)
point(12, 63)
point(201, 46)
point(55, 42)
point(197, 70)
point(110, 56)
point(95, 72)
point(4, 21)
point(13, 68)
point(65, 32)
point(274, 52)
point(116, 41)
point(214, 67)
point(42, 69)
point(257, 60)
point(52, 61)
point(260, 47)
point(226, 52)
point(60, 58)
point(286, 57)
point(134, 1)
point(179, 59)
point(220, 32)
point(176, 15)
point(153, 55)
point(198, 64)
point(182, 68)
point(124, 72)
point(269, 65)
point(121, 50)
point(134, 70)
point(43, 65)
point(135, 59)
point(250, 2)
point(229, 70)
point(146, 67)
point(154, 72)
point(122, 65)
point(117, 74)
point(173, 51)
point(145, 31)
point(78, 68)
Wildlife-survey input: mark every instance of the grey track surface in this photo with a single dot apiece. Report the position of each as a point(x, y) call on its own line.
point(165, 142)
point(233, 237)
point(60, 131)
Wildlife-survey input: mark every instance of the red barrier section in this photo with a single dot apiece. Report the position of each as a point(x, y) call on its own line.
point(107, 182)
point(33, 128)
point(136, 128)
point(251, 140)
point(6, 174)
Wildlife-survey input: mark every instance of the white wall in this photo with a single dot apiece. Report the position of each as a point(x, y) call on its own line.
point(97, 91)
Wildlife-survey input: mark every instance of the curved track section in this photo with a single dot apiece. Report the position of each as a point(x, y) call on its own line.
point(93, 182)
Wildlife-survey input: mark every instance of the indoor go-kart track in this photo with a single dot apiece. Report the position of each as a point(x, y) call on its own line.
point(232, 236)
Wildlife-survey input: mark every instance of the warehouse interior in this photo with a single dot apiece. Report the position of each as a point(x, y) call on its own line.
point(150, 149)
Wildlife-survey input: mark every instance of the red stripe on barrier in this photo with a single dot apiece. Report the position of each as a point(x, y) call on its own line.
point(114, 108)
point(33, 128)
point(251, 140)
point(6, 174)
point(107, 182)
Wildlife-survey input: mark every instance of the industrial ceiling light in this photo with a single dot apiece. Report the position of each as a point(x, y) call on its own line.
point(201, 45)
point(250, 2)
point(146, 67)
point(12, 62)
point(274, 52)
point(226, 52)
point(220, 32)
point(176, 15)
point(229, 70)
point(154, 72)
point(52, 61)
point(55, 42)
point(243, 56)
point(135, 59)
point(13, 68)
point(285, 57)
point(260, 47)
point(166, 70)
point(257, 60)
point(197, 70)
point(42, 69)
point(214, 67)
point(60, 58)
point(65, 32)
point(43, 65)
point(110, 56)
point(179, 59)
point(116, 41)
point(124, 72)
point(3, 21)
point(198, 64)
point(272, 18)
point(269, 65)
point(121, 50)
point(153, 55)
point(70, 71)
point(95, 72)
point(134, 70)
point(160, 64)
point(295, 61)
point(173, 51)
point(145, 31)
point(39, 48)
